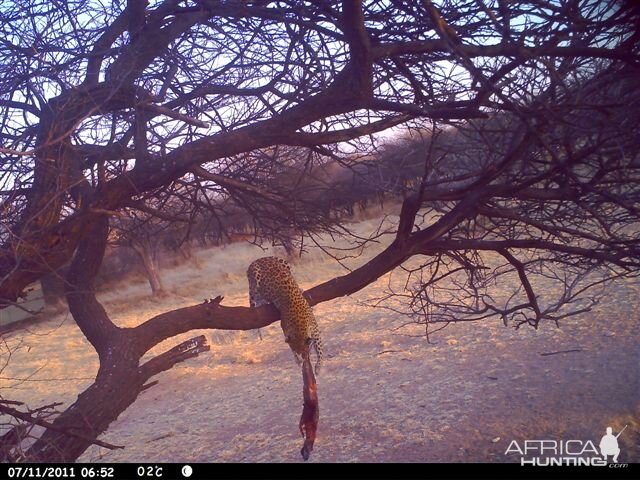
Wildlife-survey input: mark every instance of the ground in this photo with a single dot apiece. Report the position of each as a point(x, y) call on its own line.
point(385, 395)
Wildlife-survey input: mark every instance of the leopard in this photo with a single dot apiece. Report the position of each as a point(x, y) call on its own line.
point(271, 281)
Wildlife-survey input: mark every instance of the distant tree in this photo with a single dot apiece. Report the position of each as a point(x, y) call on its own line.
point(103, 105)
point(149, 227)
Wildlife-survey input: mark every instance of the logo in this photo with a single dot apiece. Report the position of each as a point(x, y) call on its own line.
point(546, 453)
point(609, 444)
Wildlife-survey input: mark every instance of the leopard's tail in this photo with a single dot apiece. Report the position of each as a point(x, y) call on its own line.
point(319, 350)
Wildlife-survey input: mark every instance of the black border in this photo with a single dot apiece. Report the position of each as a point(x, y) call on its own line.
point(331, 471)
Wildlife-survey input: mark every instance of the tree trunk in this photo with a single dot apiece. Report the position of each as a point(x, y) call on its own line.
point(185, 251)
point(120, 378)
point(94, 410)
point(53, 288)
point(147, 255)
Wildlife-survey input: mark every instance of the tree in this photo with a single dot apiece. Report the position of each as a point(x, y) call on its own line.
point(106, 108)
point(145, 229)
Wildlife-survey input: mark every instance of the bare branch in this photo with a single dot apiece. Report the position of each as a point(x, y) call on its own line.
point(43, 423)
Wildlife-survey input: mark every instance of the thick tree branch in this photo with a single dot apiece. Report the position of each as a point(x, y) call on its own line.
point(234, 184)
point(214, 315)
point(88, 313)
point(165, 361)
point(162, 110)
